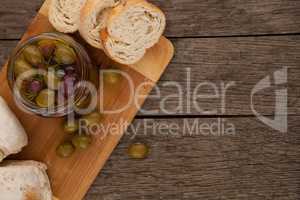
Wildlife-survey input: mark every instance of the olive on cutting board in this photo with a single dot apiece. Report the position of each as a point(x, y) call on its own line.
point(81, 141)
point(65, 150)
point(92, 118)
point(71, 126)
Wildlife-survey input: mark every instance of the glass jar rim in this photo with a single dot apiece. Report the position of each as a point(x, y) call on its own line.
point(84, 60)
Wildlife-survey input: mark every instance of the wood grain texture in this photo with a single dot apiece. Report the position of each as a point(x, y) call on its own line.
point(71, 178)
point(187, 17)
point(244, 61)
point(255, 163)
point(258, 162)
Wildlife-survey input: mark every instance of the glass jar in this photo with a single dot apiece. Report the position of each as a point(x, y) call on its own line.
point(57, 51)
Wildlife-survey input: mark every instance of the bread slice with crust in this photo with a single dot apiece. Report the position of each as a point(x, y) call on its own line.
point(64, 15)
point(12, 134)
point(26, 180)
point(121, 52)
point(93, 19)
point(132, 28)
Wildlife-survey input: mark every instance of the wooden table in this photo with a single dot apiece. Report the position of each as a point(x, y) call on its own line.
point(219, 42)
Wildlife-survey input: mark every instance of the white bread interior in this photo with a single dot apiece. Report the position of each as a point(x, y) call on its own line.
point(132, 28)
point(64, 15)
point(93, 19)
point(22, 180)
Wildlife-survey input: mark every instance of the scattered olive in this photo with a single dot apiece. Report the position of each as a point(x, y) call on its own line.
point(21, 66)
point(47, 48)
point(71, 126)
point(112, 77)
point(65, 150)
point(46, 98)
point(81, 141)
point(138, 151)
point(64, 55)
point(33, 55)
point(93, 118)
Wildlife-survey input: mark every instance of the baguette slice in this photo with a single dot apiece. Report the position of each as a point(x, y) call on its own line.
point(121, 52)
point(12, 134)
point(64, 15)
point(93, 19)
point(132, 28)
point(24, 180)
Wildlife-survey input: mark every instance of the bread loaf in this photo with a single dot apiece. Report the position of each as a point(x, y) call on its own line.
point(93, 19)
point(24, 180)
point(132, 28)
point(12, 134)
point(64, 15)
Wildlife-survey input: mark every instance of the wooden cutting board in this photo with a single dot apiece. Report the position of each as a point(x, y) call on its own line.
point(72, 177)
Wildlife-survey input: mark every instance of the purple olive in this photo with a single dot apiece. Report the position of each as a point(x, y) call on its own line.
point(35, 86)
point(47, 48)
point(70, 69)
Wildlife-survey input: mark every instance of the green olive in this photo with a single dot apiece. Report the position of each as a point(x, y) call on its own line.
point(81, 141)
point(33, 55)
point(47, 48)
point(65, 150)
point(138, 151)
point(64, 55)
point(71, 127)
point(52, 80)
point(91, 119)
point(21, 66)
point(46, 98)
point(112, 77)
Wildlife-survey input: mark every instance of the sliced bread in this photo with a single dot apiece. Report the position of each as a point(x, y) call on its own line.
point(64, 15)
point(24, 180)
point(93, 19)
point(132, 28)
point(12, 134)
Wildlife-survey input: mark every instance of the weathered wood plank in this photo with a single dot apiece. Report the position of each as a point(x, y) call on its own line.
point(6, 47)
point(15, 16)
point(187, 17)
point(254, 163)
point(244, 61)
